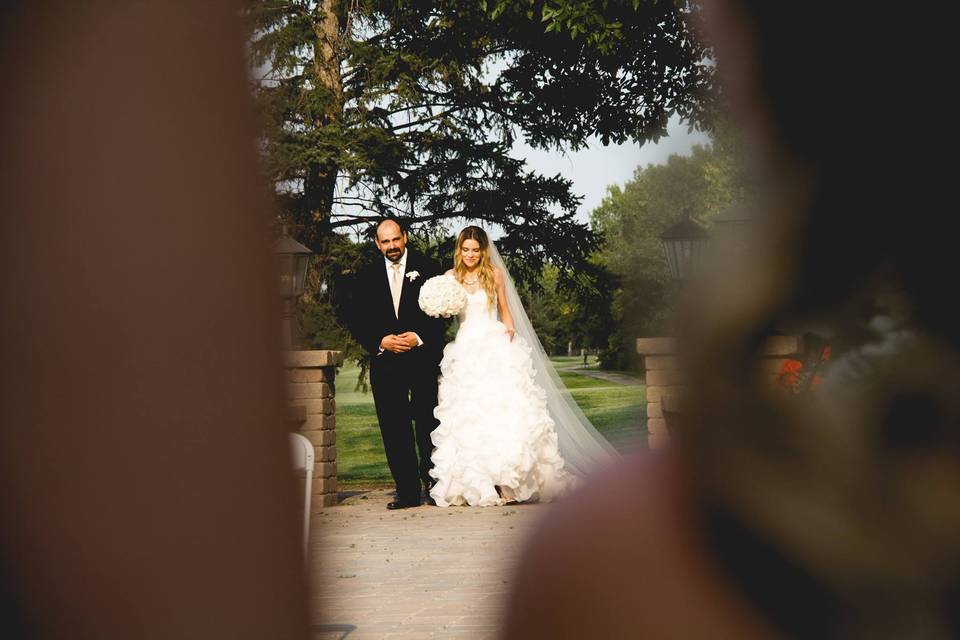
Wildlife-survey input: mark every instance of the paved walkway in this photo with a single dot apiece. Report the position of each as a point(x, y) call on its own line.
point(609, 376)
point(416, 573)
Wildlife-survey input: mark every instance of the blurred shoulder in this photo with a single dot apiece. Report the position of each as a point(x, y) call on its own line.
point(620, 498)
point(629, 542)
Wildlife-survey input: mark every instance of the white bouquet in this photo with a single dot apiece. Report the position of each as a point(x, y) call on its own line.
point(442, 296)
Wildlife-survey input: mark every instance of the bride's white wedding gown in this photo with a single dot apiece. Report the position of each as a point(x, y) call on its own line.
point(494, 428)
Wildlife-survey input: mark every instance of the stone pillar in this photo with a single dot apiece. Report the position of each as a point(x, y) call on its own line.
point(662, 377)
point(665, 384)
point(310, 393)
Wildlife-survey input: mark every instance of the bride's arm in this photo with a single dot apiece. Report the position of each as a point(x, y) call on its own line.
point(505, 316)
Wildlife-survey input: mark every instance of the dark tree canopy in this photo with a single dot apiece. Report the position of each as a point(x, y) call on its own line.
point(412, 107)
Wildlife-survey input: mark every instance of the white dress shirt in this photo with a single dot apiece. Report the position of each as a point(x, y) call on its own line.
point(388, 265)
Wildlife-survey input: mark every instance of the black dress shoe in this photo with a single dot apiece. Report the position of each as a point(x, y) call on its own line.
point(403, 504)
point(427, 498)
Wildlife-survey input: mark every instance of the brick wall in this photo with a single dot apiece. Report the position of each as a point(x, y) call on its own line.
point(665, 383)
point(311, 395)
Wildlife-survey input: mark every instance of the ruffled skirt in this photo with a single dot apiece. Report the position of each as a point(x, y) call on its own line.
point(495, 431)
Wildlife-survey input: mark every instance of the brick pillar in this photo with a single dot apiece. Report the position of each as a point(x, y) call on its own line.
point(665, 384)
point(662, 377)
point(310, 393)
point(776, 350)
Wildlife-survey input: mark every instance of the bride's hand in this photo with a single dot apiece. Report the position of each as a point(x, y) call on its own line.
point(510, 332)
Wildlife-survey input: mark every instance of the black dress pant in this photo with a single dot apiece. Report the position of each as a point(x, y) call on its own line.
point(405, 395)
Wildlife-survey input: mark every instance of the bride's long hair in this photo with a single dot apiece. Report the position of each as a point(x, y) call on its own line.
point(484, 269)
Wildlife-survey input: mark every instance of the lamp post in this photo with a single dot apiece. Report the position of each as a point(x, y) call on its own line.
point(292, 260)
point(684, 245)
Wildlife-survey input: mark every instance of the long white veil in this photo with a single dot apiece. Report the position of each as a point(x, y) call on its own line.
point(581, 445)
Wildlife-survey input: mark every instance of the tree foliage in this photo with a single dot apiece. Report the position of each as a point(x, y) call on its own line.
point(562, 317)
point(412, 107)
point(631, 219)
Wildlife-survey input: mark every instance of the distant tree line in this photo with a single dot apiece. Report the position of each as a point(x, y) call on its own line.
point(630, 292)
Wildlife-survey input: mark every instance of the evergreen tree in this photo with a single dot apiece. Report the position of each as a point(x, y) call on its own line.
point(411, 107)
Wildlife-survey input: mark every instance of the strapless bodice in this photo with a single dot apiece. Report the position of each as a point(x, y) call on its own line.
point(478, 308)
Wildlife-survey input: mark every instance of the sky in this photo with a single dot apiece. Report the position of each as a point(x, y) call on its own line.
point(595, 168)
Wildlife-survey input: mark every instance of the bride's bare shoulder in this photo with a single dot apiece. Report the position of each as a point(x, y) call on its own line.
point(497, 275)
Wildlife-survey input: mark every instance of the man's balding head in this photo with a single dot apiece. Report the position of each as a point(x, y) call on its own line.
point(391, 239)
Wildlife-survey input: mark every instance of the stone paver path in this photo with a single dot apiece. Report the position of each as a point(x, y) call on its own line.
point(609, 376)
point(425, 572)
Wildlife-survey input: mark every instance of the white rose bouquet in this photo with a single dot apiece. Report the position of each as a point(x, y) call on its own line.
point(442, 296)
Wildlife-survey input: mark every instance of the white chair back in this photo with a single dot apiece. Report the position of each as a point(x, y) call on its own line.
point(303, 461)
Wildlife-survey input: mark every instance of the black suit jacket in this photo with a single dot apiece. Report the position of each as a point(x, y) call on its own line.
point(374, 317)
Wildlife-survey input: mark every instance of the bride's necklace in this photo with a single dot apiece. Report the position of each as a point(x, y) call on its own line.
point(474, 281)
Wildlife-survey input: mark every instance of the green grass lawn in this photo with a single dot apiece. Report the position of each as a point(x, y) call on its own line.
point(614, 409)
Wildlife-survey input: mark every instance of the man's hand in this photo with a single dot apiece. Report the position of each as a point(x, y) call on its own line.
point(396, 344)
point(409, 338)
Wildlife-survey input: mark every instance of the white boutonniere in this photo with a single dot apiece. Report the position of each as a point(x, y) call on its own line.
point(413, 275)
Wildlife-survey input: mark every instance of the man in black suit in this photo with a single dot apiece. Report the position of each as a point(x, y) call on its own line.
point(405, 347)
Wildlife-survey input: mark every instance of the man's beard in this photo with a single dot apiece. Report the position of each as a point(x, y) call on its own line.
point(394, 255)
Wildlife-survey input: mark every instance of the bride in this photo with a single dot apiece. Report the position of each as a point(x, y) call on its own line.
point(509, 431)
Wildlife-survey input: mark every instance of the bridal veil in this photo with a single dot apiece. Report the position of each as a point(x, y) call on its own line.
point(581, 445)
